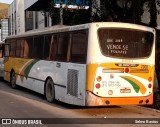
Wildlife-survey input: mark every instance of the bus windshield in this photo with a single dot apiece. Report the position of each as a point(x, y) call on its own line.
point(125, 43)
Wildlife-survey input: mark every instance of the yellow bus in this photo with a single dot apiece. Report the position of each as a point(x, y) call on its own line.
point(95, 64)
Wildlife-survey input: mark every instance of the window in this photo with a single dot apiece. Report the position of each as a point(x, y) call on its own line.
point(28, 47)
point(22, 48)
point(12, 47)
point(6, 50)
point(62, 47)
point(79, 47)
point(19, 48)
point(29, 14)
point(53, 47)
point(1, 53)
point(59, 47)
point(1, 50)
point(47, 46)
point(125, 43)
point(38, 47)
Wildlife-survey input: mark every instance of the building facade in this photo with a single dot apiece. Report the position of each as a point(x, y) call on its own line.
point(25, 15)
point(21, 19)
point(4, 29)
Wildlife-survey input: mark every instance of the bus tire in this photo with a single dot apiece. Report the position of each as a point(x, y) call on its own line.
point(13, 80)
point(49, 90)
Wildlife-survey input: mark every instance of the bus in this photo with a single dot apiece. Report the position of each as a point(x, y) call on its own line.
point(1, 59)
point(94, 64)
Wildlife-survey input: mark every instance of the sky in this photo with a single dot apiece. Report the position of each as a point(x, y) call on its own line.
point(6, 1)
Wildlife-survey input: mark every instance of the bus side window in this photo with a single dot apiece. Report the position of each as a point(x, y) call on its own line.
point(79, 47)
point(53, 48)
point(1, 50)
point(28, 47)
point(38, 47)
point(6, 53)
point(12, 52)
point(62, 47)
point(59, 47)
point(22, 48)
point(1, 54)
point(47, 46)
point(18, 48)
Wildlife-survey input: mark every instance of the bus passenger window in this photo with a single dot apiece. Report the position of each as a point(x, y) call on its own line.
point(12, 47)
point(22, 48)
point(1, 50)
point(1, 54)
point(53, 47)
point(38, 47)
point(47, 46)
point(6, 53)
point(62, 47)
point(79, 47)
point(28, 47)
point(18, 48)
point(59, 46)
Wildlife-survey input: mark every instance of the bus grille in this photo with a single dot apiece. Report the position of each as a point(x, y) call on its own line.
point(72, 82)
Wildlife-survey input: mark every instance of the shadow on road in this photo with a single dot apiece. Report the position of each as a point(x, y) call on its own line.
point(4, 86)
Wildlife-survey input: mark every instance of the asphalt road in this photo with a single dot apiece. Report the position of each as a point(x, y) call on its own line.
point(24, 104)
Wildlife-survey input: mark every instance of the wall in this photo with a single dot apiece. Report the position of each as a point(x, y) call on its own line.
point(41, 20)
point(20, 16)
point(4, 29)
point(28, 3)
point(12, 18)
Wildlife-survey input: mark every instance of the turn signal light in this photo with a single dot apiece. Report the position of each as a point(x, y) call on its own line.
point(150, 79)
point(99, 78)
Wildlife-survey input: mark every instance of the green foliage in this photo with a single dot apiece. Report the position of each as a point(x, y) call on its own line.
point(74, 17)
point(105, 10)
point(54, 14)
point(70, 16)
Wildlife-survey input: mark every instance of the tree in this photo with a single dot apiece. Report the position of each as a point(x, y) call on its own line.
point(114, 10)
point(105, 10)
point(153, 13)
point(128, 11)
point(71, 16)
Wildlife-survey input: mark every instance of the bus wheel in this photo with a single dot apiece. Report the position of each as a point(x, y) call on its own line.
point(49, 90)
point(13, 80)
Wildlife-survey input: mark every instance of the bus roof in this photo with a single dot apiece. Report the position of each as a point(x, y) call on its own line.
point(52, 29)
point(64, 28)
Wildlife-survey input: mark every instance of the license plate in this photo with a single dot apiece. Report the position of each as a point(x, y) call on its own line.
point(126, 90)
